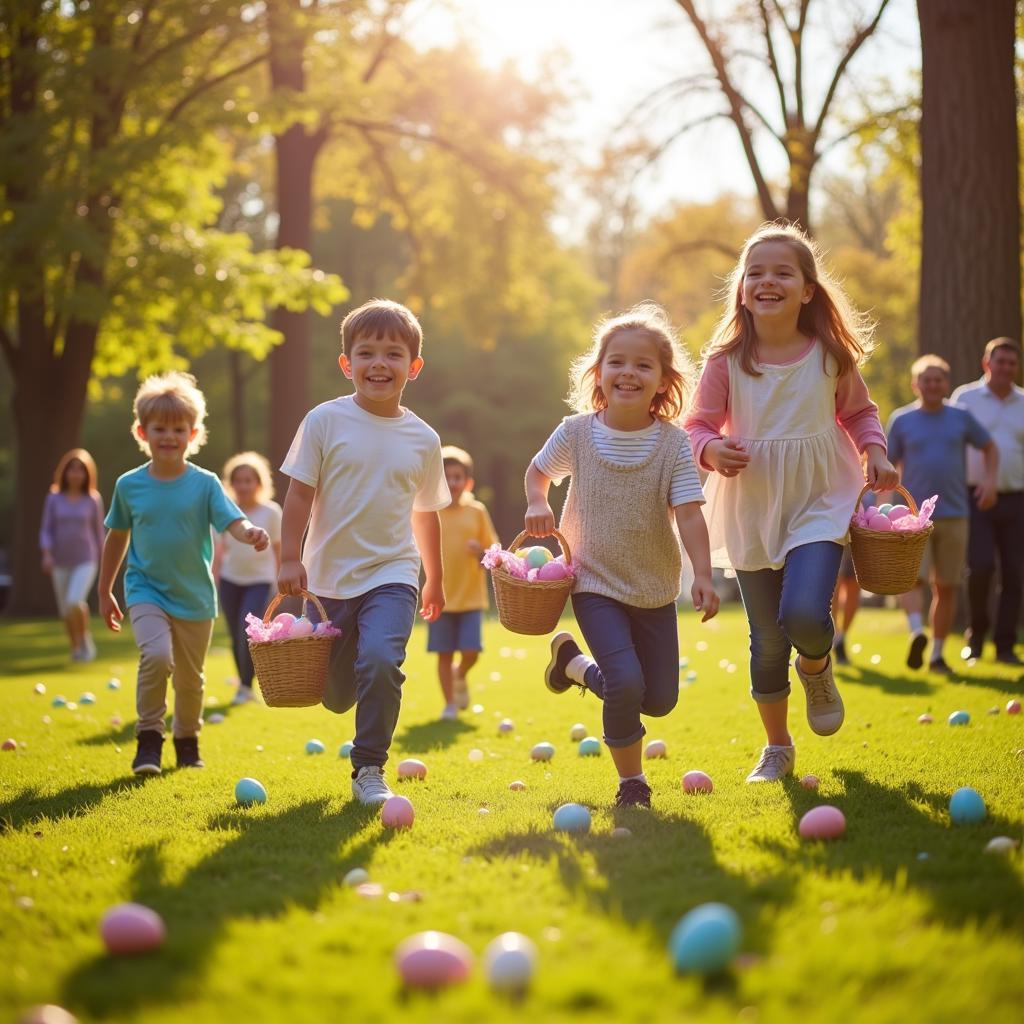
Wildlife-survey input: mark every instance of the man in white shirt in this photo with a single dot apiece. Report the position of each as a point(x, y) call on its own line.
point(998, 403)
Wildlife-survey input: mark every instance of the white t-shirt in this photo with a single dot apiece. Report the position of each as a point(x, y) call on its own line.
point(242, 563)
point(1003, 418)
point(370, 473)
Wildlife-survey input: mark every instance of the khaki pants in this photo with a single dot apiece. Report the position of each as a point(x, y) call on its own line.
point(169, 647)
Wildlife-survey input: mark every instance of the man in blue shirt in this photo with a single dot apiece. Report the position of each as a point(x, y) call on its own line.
point(928, 441)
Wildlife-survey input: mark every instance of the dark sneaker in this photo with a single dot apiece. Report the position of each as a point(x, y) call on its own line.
point(563, 649)
point(147, 753)
point(633, 793)
point(839, 650)
point(939, 667)
point(915, 656)
point(1008, 658)
point(187, 750)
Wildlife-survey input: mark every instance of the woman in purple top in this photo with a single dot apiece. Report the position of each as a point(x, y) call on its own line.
point(71, 539)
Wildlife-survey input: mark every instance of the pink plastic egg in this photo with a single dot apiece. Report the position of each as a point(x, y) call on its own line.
point(286, 618)
point(433, 960)
point(301, 627)
point(517, 786)
point(9, 744)
point(810, 782)
point(131, 928)
point(880, 522)
point(1013, 707)
point(898, 512)
point(697, 782)
point(411, 768)
point(924, 719)
point(824, 822)
point(397, 812)
point(551, 571)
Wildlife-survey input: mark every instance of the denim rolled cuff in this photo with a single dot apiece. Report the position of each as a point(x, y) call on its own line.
point(772, 697)
point(628, 741)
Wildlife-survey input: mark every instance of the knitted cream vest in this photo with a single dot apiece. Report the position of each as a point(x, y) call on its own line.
point(618, 522)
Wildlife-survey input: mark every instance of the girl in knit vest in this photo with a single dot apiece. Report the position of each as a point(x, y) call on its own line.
point(635, 492)
point(783, 417)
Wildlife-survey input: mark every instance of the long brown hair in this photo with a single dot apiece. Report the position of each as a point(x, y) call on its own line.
point(829, 316)
point(677, 370)
point(60, 474)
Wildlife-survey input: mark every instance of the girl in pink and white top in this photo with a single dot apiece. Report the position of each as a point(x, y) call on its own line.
point(780, 414)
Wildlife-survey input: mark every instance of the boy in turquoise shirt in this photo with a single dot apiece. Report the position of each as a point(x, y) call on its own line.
point(161, 515)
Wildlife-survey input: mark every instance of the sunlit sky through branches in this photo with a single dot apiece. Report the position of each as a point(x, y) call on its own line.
point(616, 52)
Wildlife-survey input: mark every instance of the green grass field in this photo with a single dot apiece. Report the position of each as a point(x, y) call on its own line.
point(904, 919)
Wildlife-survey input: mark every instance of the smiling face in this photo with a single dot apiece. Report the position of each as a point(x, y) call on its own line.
point(245, 482)
point(630, 373)
point(1001, 367)
point(379, 367)
point(931, 385)
point(168, 441)
point(774, 286)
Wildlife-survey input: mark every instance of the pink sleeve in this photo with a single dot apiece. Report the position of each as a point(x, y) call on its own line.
point(710, 407)
point(856, 413)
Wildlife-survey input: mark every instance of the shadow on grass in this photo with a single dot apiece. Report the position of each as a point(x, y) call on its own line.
point(31, 805)
point(901, 685)
point(274, 863)
point(886, 830)
point(655, 891)
point(430, 736)
point(124, 734)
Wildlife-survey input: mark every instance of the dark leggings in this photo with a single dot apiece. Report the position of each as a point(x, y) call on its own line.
point(238, 600)
point(637, 655)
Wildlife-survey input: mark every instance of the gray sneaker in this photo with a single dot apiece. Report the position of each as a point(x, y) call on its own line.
point(461, 691)
point(824, 705)
point(776, 762)
point(369, 787)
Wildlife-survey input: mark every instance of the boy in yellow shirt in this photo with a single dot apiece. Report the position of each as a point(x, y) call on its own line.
point(466, 530)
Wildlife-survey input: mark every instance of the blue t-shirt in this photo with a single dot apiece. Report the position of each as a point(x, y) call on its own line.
point(933, 449)
point(171, 548)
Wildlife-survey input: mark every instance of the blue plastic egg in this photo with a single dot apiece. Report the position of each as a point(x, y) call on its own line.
point(114, 684)
point(537, 556)
point(590, 746)
point(345, 750)
point(705, 939)
point(87, 698)
point(59, 702)
point(572, 818)
point(314, 747)
point(959, 718)
point(250, 791)
point(966, 806)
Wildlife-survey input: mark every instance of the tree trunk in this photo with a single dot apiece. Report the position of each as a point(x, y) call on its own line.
point(239, 419)
point(970, 233)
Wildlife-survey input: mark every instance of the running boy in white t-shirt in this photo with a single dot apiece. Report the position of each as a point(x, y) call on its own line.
point(371, 474)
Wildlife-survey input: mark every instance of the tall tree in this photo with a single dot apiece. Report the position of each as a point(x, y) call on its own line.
point(108, 166)
point(769, 94)
point(970, 233)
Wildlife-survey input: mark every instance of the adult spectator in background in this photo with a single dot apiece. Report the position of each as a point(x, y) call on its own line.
point(928, 441)
point(997, 403)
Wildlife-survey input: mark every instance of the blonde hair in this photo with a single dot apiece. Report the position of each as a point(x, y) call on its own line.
point(928, 362)
point(453, 455)
point(170, 398)
point(60, 482)
point(829, 316)
point(677, 369)
point(258, 464)
point(382, 318)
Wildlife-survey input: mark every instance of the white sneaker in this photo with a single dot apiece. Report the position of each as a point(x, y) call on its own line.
point(369, 787)
point(825, 711)
point(776, 762)
point(87, 652)
point(244, 695)
point(450, 713)
point(461, 691)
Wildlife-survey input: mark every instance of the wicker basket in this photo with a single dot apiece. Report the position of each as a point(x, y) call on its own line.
point(292, 673)
point(532, 609)
point(888, 563)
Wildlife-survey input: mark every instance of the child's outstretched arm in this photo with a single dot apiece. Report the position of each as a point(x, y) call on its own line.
point(426, 528)
point(298, 503)
point(114, 548)
point(693, 532)
point(540, 520)
point(245, 533)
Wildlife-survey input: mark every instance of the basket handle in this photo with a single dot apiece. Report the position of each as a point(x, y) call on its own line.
point(307, 596)
point(911, 504)
point(563, 543)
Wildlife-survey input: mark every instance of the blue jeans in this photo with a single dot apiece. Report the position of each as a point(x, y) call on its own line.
point(637, 655)
point(786, 608)
point(996, 531)
point(237, 600)
point(366, 664)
